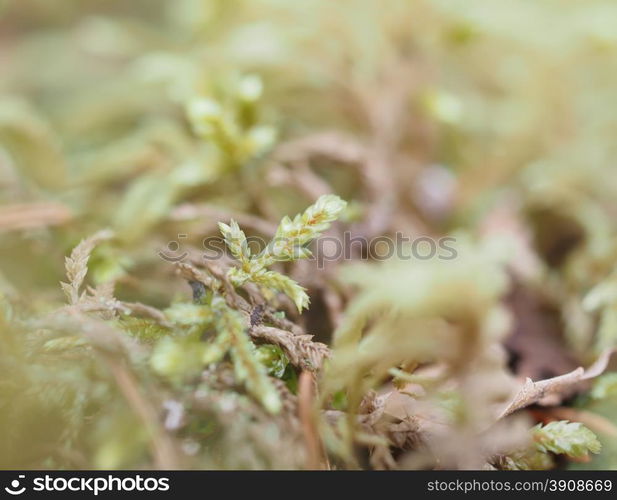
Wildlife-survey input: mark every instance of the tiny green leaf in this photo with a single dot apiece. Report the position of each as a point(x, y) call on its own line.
point(563, 437)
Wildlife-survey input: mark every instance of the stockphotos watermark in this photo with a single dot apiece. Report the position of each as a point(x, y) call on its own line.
point(327, 248)
point(93, 485)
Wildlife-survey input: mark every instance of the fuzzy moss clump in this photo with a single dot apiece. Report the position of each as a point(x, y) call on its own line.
point(444, 297)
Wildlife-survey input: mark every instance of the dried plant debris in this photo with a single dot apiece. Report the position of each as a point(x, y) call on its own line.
point(556, 388)
point(260, 235)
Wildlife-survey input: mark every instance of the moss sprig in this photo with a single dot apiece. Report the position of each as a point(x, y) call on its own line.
point(289, 243)
point(567, 438)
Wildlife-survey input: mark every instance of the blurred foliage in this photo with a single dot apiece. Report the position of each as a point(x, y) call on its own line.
point(136, 127)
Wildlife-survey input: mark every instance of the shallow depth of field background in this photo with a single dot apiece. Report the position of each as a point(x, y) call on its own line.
point(480, 119)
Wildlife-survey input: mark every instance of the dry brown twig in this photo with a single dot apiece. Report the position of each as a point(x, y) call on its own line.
point(191, 273)
point(300, 349)
point(533, 392)
point(20, 216)
point(300, 177)
point(214, 214)
point(306, 397)
point(332, 144)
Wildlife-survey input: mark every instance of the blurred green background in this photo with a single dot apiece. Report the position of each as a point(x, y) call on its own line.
point(487, 116)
